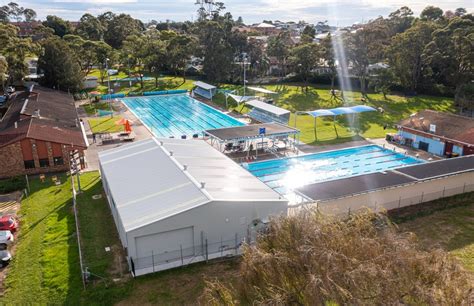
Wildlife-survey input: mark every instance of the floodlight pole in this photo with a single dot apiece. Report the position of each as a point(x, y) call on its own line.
point(108, 85)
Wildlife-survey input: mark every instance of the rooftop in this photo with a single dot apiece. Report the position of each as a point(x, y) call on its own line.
point(447, 125)
point(196, 174)
point(42, 114)
point(251, 131)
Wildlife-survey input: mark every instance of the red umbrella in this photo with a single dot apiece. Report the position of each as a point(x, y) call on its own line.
point(128, 128)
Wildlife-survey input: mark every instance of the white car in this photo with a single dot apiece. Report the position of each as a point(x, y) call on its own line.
point(5, 257)
point(6, 238)
point(10, 89)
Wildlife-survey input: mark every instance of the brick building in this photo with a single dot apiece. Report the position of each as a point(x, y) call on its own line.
point(38, 132)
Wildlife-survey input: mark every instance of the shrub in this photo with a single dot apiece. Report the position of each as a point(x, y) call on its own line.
point(310, 259)
point(12, 184)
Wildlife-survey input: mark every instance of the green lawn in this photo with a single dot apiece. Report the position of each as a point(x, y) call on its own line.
point(45, 268)
point(450, 228)
point(105, 124)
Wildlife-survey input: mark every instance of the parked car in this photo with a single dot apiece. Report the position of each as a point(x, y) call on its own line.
point(5, 257)
point(6, 238)
point(8, 223)
point(10, 89)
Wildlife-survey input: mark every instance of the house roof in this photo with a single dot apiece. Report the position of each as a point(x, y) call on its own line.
point(447, 125)
point(154, 179)
point(42, 114)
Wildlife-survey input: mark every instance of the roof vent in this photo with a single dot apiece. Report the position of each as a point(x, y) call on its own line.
point(203, 185)
point(36, 113)
point(171, 153)
point(161, 143)
point(16, 124)
point(185, 167)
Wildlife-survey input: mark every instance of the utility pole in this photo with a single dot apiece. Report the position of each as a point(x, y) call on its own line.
point(108, 85)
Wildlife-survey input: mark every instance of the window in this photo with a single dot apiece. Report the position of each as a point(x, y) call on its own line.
point(44, 162)
point(29, 164)
point(58, 161)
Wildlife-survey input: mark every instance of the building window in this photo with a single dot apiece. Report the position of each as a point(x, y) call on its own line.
point(44, 162)
point(29, 164)
point(58, 161)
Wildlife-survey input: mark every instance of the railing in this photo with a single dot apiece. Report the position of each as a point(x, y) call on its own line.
point(183, 256)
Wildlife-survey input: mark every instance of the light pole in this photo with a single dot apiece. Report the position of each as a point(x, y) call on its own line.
point(108, 85)
point(244, 61)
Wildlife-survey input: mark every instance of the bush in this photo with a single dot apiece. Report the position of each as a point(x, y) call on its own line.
point(12, 184)
point(310, 259)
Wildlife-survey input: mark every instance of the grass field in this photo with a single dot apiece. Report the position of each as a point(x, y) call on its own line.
point(45, 268)
point(451, 228)
point(105, 125)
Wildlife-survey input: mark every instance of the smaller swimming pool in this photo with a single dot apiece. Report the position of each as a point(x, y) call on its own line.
point(286, 174)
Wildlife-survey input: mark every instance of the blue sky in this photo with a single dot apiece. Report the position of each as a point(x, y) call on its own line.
point(337, 12)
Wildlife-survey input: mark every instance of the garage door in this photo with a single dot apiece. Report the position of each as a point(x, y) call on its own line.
point(166, 243)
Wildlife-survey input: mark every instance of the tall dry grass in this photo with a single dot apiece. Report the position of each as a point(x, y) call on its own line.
point(311, 259)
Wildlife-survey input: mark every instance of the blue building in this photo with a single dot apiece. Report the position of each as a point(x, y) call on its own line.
point(442, 134)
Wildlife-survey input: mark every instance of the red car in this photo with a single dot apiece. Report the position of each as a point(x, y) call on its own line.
point(8, 223)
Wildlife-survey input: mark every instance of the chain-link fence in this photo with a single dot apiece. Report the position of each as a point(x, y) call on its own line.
point(158, 261)
point(379, 202)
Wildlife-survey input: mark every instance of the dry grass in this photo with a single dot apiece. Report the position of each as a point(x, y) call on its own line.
point(311, 259)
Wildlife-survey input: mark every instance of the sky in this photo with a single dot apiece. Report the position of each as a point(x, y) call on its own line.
point(337, 12)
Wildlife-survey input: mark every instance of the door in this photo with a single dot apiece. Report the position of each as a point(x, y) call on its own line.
point(423, 146)
point(166, 245)
point(448, 148)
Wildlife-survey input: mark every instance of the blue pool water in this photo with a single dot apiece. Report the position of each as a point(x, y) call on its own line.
point(285, 174)
point(177, 115)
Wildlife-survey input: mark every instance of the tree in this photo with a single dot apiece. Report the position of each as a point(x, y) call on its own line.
point(155, 56)
point(90, 28)
point(314, 259)
point(382, 81)
point(278, 46)
point(308, 35)
point(405, 54)
point(214, 39)
point(179, 50)
point(450, 53)
point(105, 57)
point(328, 56)
point(85, 51)
point(460, 11)
point(59, 66)
point(136, 47)
point(60, 26)
point(401, 20)
point(119, 27)
point(431, 13)
point(3, 71)
point(18, 13)
point(303, 59)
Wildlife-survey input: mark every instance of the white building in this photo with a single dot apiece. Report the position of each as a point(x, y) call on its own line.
point(180, 201)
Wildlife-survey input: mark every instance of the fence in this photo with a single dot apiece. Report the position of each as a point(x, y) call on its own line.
point(184, 256)
point(378, 201)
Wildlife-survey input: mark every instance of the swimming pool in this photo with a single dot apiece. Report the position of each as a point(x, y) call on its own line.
point(286, 174)
point(177, 115)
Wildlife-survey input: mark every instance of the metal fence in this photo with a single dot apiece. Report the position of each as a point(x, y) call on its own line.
point(184, 256)
point(338, 207)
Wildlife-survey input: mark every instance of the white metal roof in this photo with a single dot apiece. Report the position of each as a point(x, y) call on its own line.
point(204, 85)
point(148, 182)
point(268, 107)
point(262, 90)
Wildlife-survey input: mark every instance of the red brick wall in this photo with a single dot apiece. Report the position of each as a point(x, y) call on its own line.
point(12, 163)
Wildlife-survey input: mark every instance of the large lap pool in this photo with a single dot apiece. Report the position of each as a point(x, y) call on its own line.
point(283, 175)
point(177, 115)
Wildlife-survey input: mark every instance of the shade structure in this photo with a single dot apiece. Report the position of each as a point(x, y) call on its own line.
point(262, 90)
point(239, 99)
point(336, 112)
